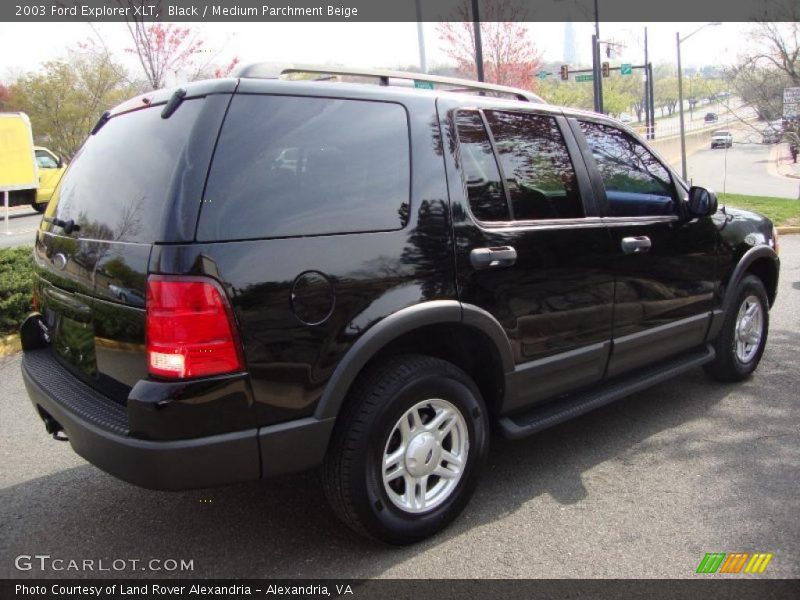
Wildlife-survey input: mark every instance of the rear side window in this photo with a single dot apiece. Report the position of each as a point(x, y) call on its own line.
point(536, 165)
point(290, 166)
point(636, 183)
point(117, 185)
point(487, 200)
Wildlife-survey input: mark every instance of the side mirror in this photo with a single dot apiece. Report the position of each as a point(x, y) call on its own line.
point(702, 202)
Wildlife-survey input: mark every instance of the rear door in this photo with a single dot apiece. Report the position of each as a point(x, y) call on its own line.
point(664, 263)
point(114, 202)
point(531, 248)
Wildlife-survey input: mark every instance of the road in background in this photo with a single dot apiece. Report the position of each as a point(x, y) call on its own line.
point(640, 488)
point(747, 167)
point(22, 225)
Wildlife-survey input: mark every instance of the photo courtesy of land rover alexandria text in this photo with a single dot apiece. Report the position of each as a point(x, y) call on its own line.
point(258, 275)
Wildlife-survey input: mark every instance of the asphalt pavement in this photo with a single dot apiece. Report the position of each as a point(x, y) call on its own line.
point(641, 488)
point(22, 225)
point(748, 167)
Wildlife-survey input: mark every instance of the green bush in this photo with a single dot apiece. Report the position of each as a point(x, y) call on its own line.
point(16, 287)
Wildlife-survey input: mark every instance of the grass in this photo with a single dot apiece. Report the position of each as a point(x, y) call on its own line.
point(781, 211)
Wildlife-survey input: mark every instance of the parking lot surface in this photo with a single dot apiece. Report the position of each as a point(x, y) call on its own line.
point(641, 488)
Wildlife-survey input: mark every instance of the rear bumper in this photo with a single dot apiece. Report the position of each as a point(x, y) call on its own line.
point(97, 431)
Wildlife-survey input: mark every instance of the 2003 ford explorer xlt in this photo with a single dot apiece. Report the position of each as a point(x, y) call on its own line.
point(252, 276)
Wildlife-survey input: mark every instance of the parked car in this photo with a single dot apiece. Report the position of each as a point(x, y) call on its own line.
point(626, 118)
point(721, 139)
point(711, 117)
point(371, 278)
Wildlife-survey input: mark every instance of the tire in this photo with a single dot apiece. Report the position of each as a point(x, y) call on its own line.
point(734, 361)
point(369, 429)
point(39, 206)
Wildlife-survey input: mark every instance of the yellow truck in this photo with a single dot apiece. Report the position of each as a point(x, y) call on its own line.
point(28, 173)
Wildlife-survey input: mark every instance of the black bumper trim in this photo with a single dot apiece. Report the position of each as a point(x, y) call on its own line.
point(185, 464)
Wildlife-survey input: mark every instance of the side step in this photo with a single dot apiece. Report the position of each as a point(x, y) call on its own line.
point(558, 411)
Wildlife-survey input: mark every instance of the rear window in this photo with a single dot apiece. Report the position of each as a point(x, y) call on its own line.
point(290, 166)
point(117, 185)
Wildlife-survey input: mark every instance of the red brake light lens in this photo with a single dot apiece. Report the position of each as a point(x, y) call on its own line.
point(191, 331)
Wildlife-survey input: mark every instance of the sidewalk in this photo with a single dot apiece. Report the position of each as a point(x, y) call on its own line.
point(784, 164)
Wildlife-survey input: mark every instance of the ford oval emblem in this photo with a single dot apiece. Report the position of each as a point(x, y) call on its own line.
point(60, 261)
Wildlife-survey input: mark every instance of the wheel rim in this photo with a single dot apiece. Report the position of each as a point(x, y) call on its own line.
point(749, 329)
point(425, 456)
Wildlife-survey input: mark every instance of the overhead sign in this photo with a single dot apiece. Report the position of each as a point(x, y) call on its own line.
point(625, 69)
point(791, 103)
point(582, 78)
point(17, 160)
point(425, 85)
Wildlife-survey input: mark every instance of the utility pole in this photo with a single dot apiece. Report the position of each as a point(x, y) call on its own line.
point(597, 77)
point(647, 122)
point(423, 62)
point(476, 23)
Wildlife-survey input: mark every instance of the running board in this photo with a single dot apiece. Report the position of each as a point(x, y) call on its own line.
point(558, 411)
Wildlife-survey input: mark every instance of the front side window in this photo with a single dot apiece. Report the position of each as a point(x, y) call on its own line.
point(45, 160)
point(636, 183)
point(536, 165)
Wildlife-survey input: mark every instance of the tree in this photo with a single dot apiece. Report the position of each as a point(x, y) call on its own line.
point(5, 97)
point(509, 56)
point(67, 97)
point(774, 64)
point(665, 94)
point(567, 93)
point(167, 49)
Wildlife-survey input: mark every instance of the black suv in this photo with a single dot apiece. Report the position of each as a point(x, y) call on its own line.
point(251, 276)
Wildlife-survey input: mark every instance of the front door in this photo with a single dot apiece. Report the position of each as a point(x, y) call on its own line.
point(664, 262)
point(530, 247)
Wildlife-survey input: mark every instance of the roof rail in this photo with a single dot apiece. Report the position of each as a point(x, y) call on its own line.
point(401, 78)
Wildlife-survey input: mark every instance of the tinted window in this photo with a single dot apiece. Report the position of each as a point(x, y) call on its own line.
point(117, 185)
point(536, 166)
point(636, 183)
point(288, 166)
point(479, 168)
point(45, 161)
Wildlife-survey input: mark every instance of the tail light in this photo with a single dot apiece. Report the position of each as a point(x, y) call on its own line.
point(191, 331)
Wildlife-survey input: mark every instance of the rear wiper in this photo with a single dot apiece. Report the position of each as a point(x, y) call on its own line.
point(68, 226)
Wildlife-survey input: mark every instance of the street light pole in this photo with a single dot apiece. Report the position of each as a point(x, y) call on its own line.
point(680, 107)
point(678, 41)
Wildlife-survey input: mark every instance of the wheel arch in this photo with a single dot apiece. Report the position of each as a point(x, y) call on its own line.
point(761, 261)
point(442, 328)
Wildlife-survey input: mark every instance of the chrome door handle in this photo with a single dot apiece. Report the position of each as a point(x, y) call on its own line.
point(487, 258)
point(636, 245)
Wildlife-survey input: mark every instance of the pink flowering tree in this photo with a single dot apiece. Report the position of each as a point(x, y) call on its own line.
point(509, 55)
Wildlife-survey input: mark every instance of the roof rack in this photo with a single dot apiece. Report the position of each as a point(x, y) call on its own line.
point(399, 78)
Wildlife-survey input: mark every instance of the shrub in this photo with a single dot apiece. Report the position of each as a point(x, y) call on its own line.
point(16, 287)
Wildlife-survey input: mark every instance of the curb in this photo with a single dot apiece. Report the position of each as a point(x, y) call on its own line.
point(787, 230)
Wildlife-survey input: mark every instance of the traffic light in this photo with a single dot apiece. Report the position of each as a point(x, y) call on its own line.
point(606, 69)
point(564, 72)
